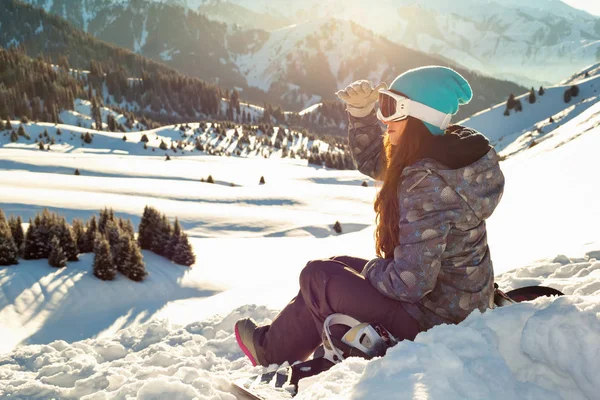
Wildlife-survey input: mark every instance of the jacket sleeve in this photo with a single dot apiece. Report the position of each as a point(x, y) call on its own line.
point(427, 207)
point(365, 138)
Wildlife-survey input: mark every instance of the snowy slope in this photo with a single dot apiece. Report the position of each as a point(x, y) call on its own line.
point(180, 344)
point(519, 130)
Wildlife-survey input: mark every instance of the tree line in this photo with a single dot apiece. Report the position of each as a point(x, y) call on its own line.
point(110, 238)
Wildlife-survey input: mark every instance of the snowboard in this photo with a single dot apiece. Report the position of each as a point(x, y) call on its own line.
point(282, 383)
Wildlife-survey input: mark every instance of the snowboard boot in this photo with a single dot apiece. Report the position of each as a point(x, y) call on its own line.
point(244, 334)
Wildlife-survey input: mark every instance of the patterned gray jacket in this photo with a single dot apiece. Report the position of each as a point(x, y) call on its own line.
point(441, 269)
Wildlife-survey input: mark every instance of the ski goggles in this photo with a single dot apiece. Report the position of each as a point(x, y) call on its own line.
point(394, 106)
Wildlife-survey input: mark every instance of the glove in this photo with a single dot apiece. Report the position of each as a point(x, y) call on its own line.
point(360, 97)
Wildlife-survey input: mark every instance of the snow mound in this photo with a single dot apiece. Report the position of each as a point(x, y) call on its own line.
point(542, 349)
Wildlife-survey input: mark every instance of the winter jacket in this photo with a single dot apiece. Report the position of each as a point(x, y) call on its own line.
point(441, 269)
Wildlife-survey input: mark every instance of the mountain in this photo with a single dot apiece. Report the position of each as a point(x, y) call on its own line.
point(532, 43)
point(295, 67)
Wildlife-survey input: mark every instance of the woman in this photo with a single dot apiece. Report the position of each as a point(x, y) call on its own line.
point(440, 183)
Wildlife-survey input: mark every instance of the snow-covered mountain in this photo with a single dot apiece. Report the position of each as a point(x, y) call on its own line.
point(532, 43)
point(295, 66)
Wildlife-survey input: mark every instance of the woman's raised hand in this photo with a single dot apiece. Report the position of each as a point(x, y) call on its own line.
point(360, 97)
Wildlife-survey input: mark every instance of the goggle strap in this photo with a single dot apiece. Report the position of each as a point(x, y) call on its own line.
point(429, 114)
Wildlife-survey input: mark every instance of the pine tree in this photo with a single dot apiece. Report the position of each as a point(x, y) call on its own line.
point(30, 244)
point(174, 240)
point(106, 214)
point(13, 136)
point(337, 227)
point(567, 96)
point(16, 229)
point(77, 171)
point(518, 106)
point(162, 235)
point(210, 179)
point(148, 225)
point(574, 90)
point(183, 253)
point(9, 253)
point(510, 103)
point(67, 240)
point(541, 91)
point(91, 230)
point(122, 254)
point(78, 233)
point(57, 257)
point(262, 180)
point(136, 268)
point(104, 267)
point(532, 96)
point(113, 234)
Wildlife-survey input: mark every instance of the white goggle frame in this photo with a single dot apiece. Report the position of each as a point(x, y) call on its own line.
point(406, 107)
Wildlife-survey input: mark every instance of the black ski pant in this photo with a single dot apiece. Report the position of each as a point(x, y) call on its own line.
point(326, 287)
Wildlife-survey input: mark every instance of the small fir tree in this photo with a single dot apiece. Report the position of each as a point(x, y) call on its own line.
point(262, 180)
point(506, 112)
point(67, 240)
point(174, 241)
point(210, 179)
point(518, 106)
point(567, 96)
point(532, 96)
point(574, 90)
point(183, 253)
point(122, 254)
point(9, 253)
point(77, 171)
point(13, 136)
point(104, 267)
point(144, 138)
point(365, 184)
point(167, 158)
point(148, 224)
point(57, 257)
point(78, 233)
point(16, 229)
point(162, 235)
point(91, 230)
point(136, 268)
point(337, 227)
point(541, 91)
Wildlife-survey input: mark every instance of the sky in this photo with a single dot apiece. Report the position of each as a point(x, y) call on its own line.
point(593, 7)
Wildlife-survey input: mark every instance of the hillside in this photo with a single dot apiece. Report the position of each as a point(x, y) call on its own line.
point(537, 121)
point(179, 342)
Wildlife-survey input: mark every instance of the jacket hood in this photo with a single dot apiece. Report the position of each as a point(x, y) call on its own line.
point(470, 166)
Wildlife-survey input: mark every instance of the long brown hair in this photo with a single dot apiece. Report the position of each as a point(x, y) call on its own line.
point(411, 147)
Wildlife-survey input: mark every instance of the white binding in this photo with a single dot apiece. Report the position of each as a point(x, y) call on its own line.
point(406, 107)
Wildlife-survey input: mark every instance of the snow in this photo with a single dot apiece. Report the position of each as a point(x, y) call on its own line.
point(515, 132)
point(68, 335)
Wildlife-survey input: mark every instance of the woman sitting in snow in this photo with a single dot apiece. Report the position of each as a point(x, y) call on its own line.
point(440, 183)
